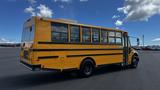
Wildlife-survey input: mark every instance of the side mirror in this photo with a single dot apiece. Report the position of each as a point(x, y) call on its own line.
point(138, 42)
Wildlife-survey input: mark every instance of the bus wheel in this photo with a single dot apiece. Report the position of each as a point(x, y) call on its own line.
point(87, 68)
point(135, 61)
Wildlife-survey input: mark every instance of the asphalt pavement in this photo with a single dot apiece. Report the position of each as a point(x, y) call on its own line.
point(13, 76)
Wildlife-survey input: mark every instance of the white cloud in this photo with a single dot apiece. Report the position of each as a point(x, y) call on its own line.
point(12, 0)
point(3, 40)
point(62, 0)
point(140, 9)
point(117, 27)
point(119, 23)
point(61, 6)
point(41, 11)
point(44, 11)
point(115, 16)
point(156, 40)
point(32, 1)
point(68, 1)
point(30, 10)
point(83, 0)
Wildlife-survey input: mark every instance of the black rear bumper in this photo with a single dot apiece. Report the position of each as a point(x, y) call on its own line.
point(31, 67)
point(37, 67)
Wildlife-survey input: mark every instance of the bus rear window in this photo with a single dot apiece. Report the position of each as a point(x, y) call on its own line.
point(28, 34)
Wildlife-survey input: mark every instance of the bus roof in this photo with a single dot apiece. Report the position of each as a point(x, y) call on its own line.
point(73, 22)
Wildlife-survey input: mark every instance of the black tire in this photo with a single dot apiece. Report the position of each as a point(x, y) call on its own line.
point(135, 61)
point(87, 68)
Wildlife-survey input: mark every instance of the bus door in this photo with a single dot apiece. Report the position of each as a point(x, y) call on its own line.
point(125, 48)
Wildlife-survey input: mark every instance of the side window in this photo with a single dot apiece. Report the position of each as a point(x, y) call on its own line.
point(59, 32)
point(75, 34)
point(118, 38)
point(86, 35)
point(95, 35)
point(111, 37)
point(104, 35)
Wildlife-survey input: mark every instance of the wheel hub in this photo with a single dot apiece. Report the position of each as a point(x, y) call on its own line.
point(88, 69)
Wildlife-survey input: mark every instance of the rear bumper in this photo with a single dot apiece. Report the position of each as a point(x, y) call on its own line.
point(36, 67)
point(31, 67)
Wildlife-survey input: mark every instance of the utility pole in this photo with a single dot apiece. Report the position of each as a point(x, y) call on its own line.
point(143, 40)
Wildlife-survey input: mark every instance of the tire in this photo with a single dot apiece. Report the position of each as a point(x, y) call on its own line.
point(135, 61)
point(87, 68)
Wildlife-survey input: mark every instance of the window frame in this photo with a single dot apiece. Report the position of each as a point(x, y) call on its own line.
point(52, 30)
point(89, 28)
point(90, 35)
point(74, 33)
point(106, 36)
point(99, 36)
point(112, 37)
point(119, 38)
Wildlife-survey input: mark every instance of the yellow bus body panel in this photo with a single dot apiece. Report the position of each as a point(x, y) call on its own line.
point(67, 59)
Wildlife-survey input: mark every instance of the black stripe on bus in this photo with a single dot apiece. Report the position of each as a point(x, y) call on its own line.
point(79, 43)
point(94, 54)
point(75, 49)
point(47, 57)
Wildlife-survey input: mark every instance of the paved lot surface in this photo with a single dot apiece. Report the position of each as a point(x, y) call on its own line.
point(13, 76)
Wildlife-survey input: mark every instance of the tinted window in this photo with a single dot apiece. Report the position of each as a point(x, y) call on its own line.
point(75, 34)
point(118, 38)
point(86, 36)
point(111, 37)
point(111, 40)
point(32, 33)
point(118, 41)
point(59, 32)
point(118, 34)
point(28, 34)
point(104, 36)
point(95, 35)
point(112, 34)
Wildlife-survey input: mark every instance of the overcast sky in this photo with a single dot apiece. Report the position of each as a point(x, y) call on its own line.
point(138, 17)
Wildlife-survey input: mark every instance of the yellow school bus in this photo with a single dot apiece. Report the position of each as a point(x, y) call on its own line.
point(57, 44)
